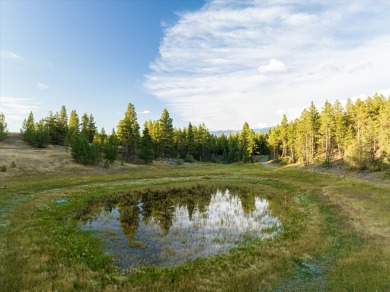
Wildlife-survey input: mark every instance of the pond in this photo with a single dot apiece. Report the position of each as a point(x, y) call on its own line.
point(155, 229)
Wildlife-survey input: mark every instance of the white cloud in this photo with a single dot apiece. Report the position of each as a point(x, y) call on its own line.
point(273, 66)
point(144, 112)
point(42, 86)
point(8, 55)
point(233, 61)
point(16, 109)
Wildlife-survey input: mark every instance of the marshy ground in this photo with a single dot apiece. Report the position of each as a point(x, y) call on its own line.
point(335, 227)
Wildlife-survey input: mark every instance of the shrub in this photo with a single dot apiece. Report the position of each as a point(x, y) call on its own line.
point(13, 164)
point(178, 160)
point(3, 168)
point(189, 158)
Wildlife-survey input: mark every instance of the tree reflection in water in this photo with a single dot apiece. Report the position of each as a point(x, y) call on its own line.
point(156, 228)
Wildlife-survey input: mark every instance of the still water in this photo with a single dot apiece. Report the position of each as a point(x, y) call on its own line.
point(168, 231)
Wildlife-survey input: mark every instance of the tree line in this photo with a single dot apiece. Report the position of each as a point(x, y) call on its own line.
point(158, 139)
point(3, 128)
point(357, 135)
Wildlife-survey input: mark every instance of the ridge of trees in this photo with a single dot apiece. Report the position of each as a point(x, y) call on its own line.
point(357, 135)
point(159, 139)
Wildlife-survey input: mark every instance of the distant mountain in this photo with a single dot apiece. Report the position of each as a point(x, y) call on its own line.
point(227, 132)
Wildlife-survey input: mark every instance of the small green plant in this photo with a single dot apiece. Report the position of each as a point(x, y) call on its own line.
point(13, 164)
point(106, 163)
point(3, 168)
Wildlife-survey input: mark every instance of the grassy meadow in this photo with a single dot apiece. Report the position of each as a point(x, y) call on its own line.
point(336, 228)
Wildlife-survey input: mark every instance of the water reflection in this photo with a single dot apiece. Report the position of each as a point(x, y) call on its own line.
point(159, 230)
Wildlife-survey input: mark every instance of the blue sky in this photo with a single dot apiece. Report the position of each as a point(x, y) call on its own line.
point(220, 62)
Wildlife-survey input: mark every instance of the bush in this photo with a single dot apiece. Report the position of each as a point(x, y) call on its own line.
point(106, 163)
point(189, 158)
point(3, 168)
point(13, 164)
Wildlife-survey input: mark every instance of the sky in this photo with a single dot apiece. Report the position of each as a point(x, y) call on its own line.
point(218, 62)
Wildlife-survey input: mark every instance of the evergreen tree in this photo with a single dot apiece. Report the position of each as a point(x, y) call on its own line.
point(314, 126)
point(41, 136)
point(147, 152)
point(340, 129)
point(111, 147)
point(233, 154)
point(304, 137)
point(283, 135)
point(128, 134)
point(3, 128)
point(190, 141)
point(73, 129)
point(84, 126)
point(28, 129)
point(384, 136)
point(166, 130)
point(91, 128)
point(327, 131)
point(274, 142)
point(179, 139)
point(246, 143)
point(84, 152)
point(291, 138)
point(156, 137)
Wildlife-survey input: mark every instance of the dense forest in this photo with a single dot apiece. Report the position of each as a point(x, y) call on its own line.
point(357, 135)
point(158, 139)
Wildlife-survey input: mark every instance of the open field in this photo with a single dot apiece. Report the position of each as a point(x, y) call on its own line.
point(336, 232)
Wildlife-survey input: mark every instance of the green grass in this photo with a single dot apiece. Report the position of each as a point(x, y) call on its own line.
point(335, 236)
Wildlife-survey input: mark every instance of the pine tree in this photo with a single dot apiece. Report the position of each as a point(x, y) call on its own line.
point(111, 147)
point(147, 153)
point(283, 135)
point(3, 128)
point(91, 128)
point(384, 136)
point(233, 153)
point(340, 130)
point(190, 141)
point(304, 138)
point(179, 140)
point(41, 135)
point(246, 143)
point(273, 142)
point(84, 126)
point(314, 126)
point(327, 131)
point(166, 129)
point(203, 141)
point(28, 129)
point(291, 142)
point(62, 127)
point(73, 129)
point(128, 134)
